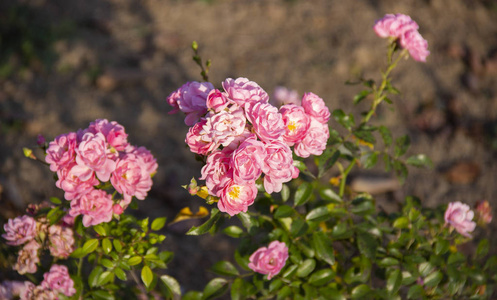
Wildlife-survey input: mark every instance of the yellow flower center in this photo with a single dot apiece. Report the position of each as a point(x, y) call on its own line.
point(292, 125)
point(234, 192)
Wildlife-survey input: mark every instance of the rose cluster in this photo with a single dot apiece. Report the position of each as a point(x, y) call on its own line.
point(245, 138)
point(92, 157)
point(405, 30)
point(34, 235)
point(56, 281)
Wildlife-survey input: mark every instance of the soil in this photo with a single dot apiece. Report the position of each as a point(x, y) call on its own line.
point(119, 60)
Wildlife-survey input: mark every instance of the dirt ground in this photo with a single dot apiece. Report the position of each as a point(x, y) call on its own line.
point(71, 62)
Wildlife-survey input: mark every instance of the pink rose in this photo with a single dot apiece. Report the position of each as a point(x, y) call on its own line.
point(38, 292)
point(278, 166)
point(217, 172)
point(269, 260)
point(248, 160)
point(192, 99)
point(92, 157)
point(198, 140)
point(147, 160)
point(173, 99)
point(315, 141)
point(266, 120)
point(217, 100)
point(96, 207)
point(61, 151)
point(394, 25)
point(224, 126)
point(61, 241)
point(117, 209)
point(415, 44)
point(315, 107)
point(11, 289)
point(460, 216)
point(297, 123)
point(58, 279)
point(72, 185)
point(235, 198)
point(282, 96)
point(27, 258)
point(131, 178)
point(113, 132)
point(242, 90)
point(19, 230)
point(483, 212)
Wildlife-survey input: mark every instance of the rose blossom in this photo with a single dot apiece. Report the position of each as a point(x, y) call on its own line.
point(315, 141)
point(266, 120)
point(57, 279)
point(27, 258)
point(278, 166)
point(282, 95)
point(113, 132)
point(242, 90)
point(483, 212)
point(191, 99)
point(248, 160)
point(92, 157)
point(415, 44)
point(147, 160)
point(72, 185)
point(460, 216)
point(10, 289)
point(19, 230)
point(61, 241)
point(39, 292)
point(217, 100)
point(198, 140)
point(173, 99)
point(131, 178)
point(394, 25)
point(61, 151)
point(223, 127)
point(235, 198)
point(96, 207)
point(217, 172)
point(269, 260)
point(315, 107)
point(297, 123)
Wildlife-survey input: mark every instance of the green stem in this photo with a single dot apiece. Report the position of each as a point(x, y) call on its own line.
point(344, 177)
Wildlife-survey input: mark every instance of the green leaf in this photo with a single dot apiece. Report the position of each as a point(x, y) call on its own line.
point(284, 293)
point(283, 211)
point(102, 295)
point(117, 245)
point(318, 214)
point(120, 274)
point(420, 160)
point(346, 121)
point(207, 225)
point(456, 258)
point(425, 268)
point(369, 159)
point(367, 244)
point(237, 290)
point(100, 229)
point(285, 193)
point(171, 284)
point(362, 206)
point(233, 231)
point(323, 245)
point(247, 221)
point(322, 277)
point(401, 223)
point(215, 288)
point(388, 262)
point(290, 271)
point(90, 246)
point(328, 194)
point(401, 145)
point(78, 253)
point(364, 133)
point(106, 245)
point(394, 280)
point(158, 223)
point(298, 228)
point(441, 246)
point(303, 193)
point(55, 200)
point(306, 267)
point(327, 160)
point(483, 247)
point(107, 263)
point(132, 261)
point(361, 96)
point(386, 135)
point(360, 292)
point(105, 278)
point(400, 170)
point(433, 279)
point(147, 276)
point(225, 268)
point(415, 292)
point(193, 295)
point(94, 275)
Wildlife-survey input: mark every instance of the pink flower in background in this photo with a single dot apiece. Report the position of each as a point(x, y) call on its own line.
point(61, 151)
point(315, 107)
point(217, 100)
point(460, 216)
point(72, 185)
point(198, 140)
point(242, 90)
point(92, 157)
point(27, 258)
point(224, 126)
point(315, 141)
point(483, 212)
point(236, 198)
point(112, 131)
point(191, 99)
point(266, 120)
point(297, 123)
point(278, 166)
point(19, 230)
point(37, 292)
point(283, 95)
point(10, 289)
point(96, 207)
point(269, 260)
point(58, 279)
point(415, 44)
point(131, 178)
point(248, 160)
point(394, 25)
point(61, 241)
point(217, 172)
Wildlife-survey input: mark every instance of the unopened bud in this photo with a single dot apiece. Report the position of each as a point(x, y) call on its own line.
point(28, 153)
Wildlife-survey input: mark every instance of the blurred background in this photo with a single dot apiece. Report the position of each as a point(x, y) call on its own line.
point(64, 64)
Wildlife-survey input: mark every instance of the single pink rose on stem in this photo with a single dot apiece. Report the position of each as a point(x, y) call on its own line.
point(217, 171)
point(460, 216)
point(394, 25)
point(297, 123)
point(269, 260)
point(315, 107)
point(278, 166)
point(415, 44)
point(236, 198)
point(315, 141)
point(483, 212)
point(242, 90)
point(92, 157)
point(266, 120)
point(96, 208)
point(27, 258)
point(247, 161)
point(58, 279)
point(61, 151)
point(19, 230)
